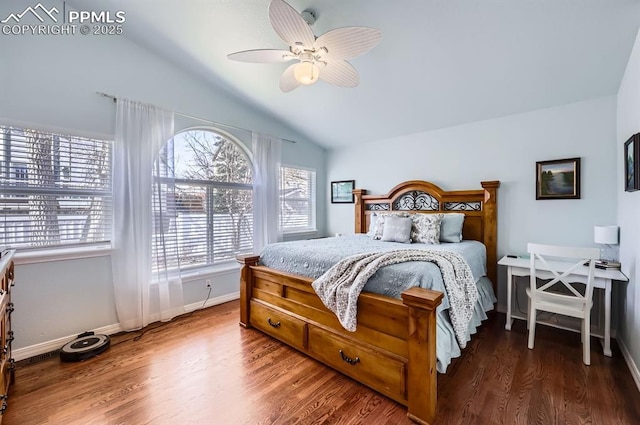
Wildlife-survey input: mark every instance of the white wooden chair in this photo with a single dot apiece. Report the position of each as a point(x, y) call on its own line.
point(569, 303)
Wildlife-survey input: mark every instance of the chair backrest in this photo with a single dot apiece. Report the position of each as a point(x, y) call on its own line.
point(557, 263)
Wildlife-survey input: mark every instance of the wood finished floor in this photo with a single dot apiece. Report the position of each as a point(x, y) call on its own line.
point(205, 369)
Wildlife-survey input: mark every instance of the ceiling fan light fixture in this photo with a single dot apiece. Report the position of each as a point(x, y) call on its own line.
point(318, 57)
point(306, 73)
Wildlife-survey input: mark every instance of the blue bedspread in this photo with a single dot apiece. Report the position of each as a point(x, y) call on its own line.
point(313, 257)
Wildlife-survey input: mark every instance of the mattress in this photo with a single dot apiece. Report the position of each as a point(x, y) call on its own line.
point(312, 258)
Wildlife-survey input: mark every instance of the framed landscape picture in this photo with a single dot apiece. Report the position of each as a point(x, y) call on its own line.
point(342, 192)
point(558, 179)
point(632, 163)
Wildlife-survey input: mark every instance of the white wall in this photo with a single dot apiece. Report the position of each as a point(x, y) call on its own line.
point(628, 204)
point(504, 149)
point(50, 82)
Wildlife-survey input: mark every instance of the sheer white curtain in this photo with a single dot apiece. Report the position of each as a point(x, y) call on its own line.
point(267, 151)
point(141, 131)
point(167, 281)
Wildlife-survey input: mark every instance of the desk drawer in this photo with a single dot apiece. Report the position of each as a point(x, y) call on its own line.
point(278, 324)
point(382, 372)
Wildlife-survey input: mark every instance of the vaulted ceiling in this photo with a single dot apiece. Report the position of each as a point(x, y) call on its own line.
point(440, 62)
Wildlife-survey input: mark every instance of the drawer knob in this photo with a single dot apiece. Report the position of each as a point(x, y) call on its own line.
point(348, 359)
point(275, 325)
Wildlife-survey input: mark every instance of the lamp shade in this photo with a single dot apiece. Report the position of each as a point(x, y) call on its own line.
point(607, 235)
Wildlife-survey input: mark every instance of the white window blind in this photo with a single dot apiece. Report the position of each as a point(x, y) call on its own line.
point(55, 190)
point(297, 199)
point(207, 212)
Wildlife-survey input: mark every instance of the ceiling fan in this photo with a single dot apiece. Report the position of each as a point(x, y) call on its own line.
point(316, 58)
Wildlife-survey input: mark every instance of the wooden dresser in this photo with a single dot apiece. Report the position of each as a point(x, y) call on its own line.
point(7, 364)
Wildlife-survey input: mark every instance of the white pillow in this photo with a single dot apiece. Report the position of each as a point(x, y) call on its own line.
point(397, 229)
point(373, 220)
point(426, 228)
point(376, 232)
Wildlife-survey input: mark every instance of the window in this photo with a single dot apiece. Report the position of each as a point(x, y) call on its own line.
point(20, 173)
point(297, 199)
point(209, 212)
point(55, 190)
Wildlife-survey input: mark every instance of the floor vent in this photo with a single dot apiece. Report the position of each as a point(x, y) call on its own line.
point(40, 357)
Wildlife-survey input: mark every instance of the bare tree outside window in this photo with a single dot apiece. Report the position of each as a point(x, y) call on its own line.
point(55, 189)
point(297, 199)
point(212, 215)
point(43, 207)
point(220, 160)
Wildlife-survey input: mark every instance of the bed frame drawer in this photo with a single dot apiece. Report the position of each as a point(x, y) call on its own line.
point(383, 372)
point(279, 324)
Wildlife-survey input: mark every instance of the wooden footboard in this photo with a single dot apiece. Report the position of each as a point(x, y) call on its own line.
point(393, 350)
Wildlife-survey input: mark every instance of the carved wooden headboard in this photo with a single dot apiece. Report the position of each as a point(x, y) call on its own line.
point(415, 196)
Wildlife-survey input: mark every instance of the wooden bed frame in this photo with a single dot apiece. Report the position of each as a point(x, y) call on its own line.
point(393, 350)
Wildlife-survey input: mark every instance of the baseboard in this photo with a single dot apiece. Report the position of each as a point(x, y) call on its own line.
point(56, 344)
point(212, 301)
point(633, 367)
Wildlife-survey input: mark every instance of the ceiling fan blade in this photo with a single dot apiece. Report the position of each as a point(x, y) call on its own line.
point(288, 81)
point(289, 25)
point(262, 56)
point(348, 42)
point(340, 73)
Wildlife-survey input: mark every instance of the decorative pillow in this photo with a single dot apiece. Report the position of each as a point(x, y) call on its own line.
point(373, 223)
point(451, 227)
point(376, 232)
point(426, 228)
point(397, 229)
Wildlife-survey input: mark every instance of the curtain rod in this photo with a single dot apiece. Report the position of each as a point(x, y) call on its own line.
point(194, 117)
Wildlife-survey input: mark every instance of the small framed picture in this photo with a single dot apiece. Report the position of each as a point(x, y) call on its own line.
point(342, 192)
point(632, 163)
point(558, 179)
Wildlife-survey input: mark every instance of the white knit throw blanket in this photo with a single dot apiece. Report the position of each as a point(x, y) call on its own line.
point(341, 285)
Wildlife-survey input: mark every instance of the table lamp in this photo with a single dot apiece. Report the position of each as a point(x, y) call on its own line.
point(607, 236)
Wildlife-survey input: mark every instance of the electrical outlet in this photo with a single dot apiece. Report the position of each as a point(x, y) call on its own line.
point(207, 283)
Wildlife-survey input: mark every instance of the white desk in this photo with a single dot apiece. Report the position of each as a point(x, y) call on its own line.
point(603, 278)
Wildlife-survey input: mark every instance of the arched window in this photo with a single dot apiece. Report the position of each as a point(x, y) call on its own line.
point(202, 200)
